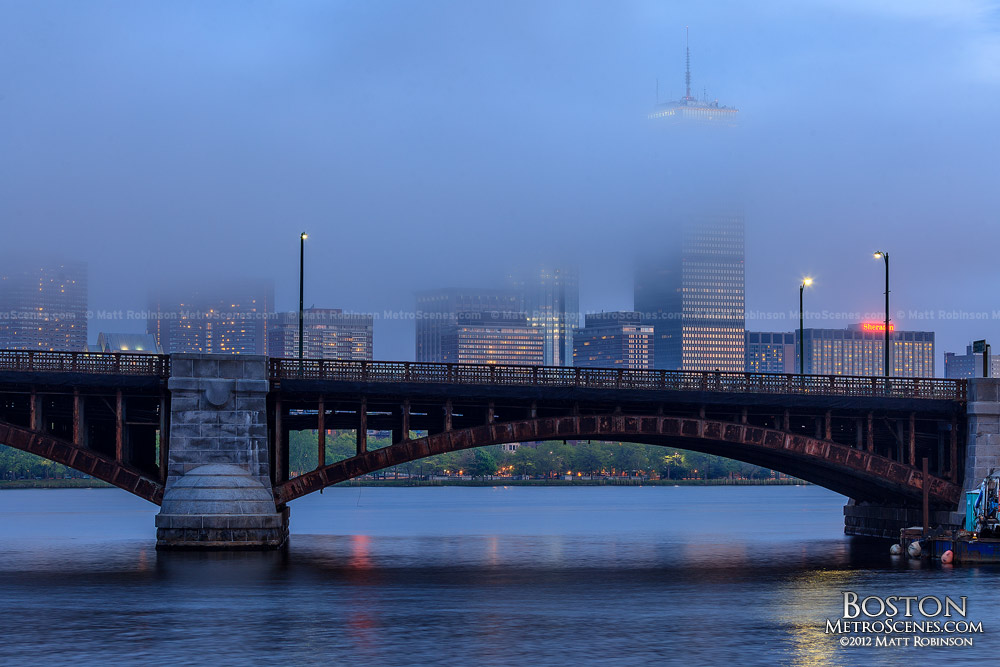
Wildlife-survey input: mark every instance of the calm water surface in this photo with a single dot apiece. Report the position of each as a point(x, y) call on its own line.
point(539, 576)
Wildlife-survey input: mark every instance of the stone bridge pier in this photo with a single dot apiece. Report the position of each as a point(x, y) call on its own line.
point(982, 450)
point(218, 491)
point(982, 453)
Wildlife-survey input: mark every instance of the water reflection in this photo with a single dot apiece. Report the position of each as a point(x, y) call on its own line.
point(404, 576)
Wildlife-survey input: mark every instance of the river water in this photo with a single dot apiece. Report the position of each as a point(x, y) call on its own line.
point(516, 575)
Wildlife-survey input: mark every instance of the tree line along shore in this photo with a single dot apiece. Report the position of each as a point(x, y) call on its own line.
point(549, 462)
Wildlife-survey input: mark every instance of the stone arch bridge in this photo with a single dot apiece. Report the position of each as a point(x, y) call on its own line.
point(206, 436)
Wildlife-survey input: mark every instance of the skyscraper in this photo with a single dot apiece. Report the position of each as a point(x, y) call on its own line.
point(694, 298)
point(219, 318)
point(693, 292)
point(437, 314)
point(551, 298)
point(43, 306)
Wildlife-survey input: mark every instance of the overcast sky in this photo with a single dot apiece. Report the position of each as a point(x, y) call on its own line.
point(426, 144)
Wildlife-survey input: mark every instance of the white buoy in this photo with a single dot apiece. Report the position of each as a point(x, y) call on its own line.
point(913, 549)
point(896, 549)
point(947, 557)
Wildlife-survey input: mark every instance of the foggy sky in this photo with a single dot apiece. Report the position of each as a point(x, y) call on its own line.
point(427, 144)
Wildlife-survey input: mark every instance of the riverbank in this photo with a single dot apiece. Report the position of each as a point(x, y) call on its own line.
point(54, 484)
point(574, 482)
point(98, 484)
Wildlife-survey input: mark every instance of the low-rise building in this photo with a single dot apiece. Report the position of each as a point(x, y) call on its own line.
point(969, 365)
point(770, 352)
point(616, 339)
point(134, 343)
point(860, 350)
point(493, 338)
point(328, 333)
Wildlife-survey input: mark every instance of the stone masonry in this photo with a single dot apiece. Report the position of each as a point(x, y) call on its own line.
point(982, 453)
point(218, 491)
point(885, 521)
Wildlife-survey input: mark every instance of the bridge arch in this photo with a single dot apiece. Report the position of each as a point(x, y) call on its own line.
point(855, 473)
point(79, 458)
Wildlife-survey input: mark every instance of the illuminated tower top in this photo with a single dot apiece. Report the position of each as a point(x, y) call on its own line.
point(688, 108)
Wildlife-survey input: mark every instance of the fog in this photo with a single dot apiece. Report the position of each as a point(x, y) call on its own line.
point(431, 144)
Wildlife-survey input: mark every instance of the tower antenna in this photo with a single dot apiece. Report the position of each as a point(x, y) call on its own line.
point(687, 61)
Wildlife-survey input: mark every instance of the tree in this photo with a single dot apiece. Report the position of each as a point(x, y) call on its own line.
point(672, 465)
point(484, 463)
point(552, 457)
point(628, 458)
point(523, 461)
point(590, 457)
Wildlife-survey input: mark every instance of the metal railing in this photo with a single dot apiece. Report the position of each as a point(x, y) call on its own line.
point(124, 363)
point(606, 378)
point(108, 363)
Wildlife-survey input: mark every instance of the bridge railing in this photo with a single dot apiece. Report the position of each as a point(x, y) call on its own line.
point(609, 378)
point(110, 363)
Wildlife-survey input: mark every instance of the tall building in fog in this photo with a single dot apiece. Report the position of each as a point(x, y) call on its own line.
point(550, 296)
point(693, 295)
point(231, 318)
point(614, 340)
point(437, 314)
point(328, 333)
point(690, 109)
point(43, 305)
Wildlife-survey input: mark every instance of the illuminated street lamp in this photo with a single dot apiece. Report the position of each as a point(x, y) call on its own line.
point(806, 282)
point(302, 256)
point(884, 255)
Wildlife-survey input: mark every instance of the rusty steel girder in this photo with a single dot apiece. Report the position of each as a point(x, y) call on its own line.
point(86, 461)
point(845, 469)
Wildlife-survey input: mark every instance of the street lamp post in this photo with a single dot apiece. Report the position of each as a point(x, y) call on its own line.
point(302, 256)
point(884, 255)
point(806, 282)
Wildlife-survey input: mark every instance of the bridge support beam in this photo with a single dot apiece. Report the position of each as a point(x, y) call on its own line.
point(218, 493)
point(321, 433)
point(982, 454)
point(78, 427)
point(362, 433)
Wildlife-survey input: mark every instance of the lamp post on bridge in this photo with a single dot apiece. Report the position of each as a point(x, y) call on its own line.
point(884, 255)
point(302, 257)
point(806, 282)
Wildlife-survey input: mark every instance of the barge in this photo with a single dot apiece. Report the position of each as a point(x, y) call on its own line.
point(977, 542)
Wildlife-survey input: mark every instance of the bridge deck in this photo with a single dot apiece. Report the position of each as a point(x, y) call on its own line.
point(153, 365)
point(605, 378)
